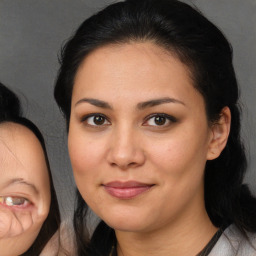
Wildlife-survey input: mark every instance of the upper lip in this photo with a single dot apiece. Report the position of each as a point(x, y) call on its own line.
point(127, 184)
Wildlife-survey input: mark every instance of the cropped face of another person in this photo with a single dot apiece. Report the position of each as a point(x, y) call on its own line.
point(139, 138)
point(24, 188)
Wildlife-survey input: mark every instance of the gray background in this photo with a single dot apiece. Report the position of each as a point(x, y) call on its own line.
point(31, 33)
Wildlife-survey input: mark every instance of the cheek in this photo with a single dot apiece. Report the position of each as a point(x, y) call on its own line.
point(83, 154)
point(179, 156)
point(19, 244)
point(86, 158)
point(168, 153)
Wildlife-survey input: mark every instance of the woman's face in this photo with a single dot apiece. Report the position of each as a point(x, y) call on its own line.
point(138, 137)
point(24, 188)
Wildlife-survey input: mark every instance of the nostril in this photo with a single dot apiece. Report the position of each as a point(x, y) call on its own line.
point(124, 166)
point(132, 164)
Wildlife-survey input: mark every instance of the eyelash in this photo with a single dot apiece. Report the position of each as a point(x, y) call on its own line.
point(11, 201)
point(164, 116)
point(85, 119)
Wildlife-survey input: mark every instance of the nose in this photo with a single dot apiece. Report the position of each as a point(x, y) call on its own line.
point(125, 149)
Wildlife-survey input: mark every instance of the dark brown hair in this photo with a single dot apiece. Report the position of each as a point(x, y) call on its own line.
point(201, 46)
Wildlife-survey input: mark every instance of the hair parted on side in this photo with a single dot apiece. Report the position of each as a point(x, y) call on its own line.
point(202, 47)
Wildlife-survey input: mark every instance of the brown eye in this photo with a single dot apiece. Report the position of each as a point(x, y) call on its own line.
point(99, 120)
point(96, 120)
point(160, 120)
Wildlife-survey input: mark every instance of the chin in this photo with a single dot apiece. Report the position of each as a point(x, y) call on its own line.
point(126, 224)
point(127, 227)
point(123, 217)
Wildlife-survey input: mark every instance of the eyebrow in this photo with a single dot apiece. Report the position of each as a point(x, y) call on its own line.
point(23, 182)
point(95, 102)
point(156, 102)
point(141, 105)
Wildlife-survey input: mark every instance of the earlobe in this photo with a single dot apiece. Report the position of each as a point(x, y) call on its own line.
point(220, 132)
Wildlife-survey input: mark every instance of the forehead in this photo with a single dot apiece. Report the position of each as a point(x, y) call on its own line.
point(143, 54)
point(14, 135)
point(20, 152)
point(134, 70)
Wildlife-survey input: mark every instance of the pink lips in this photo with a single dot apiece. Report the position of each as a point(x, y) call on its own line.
point(126, 190)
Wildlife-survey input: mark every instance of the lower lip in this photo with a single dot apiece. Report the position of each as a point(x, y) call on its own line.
point(126, 193)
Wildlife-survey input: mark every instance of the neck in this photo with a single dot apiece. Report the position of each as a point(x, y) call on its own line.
point(194, 232)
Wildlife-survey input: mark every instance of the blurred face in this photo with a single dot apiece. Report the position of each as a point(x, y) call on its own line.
point(24, 188)
point(138, 137)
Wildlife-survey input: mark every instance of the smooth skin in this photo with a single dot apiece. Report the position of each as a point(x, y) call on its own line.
point(24, 188)
point(136, 116)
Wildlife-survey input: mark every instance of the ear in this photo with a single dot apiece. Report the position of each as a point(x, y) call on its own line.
point(219, 134)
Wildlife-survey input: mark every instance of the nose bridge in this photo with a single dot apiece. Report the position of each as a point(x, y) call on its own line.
point(125, 149)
